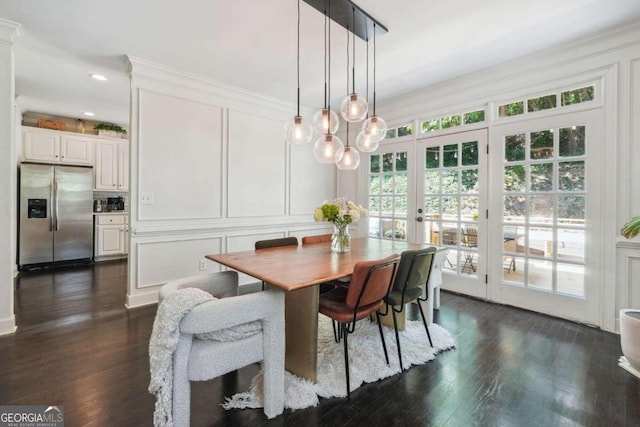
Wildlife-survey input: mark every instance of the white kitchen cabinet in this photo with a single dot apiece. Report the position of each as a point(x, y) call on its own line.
point(111, 167)
point(49, 146)
point(111, 236)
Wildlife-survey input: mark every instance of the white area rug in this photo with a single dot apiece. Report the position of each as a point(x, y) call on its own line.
point(366, 362)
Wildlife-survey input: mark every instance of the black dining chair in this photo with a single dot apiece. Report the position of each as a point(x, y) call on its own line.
point(412, 278)
point(274, 243)
point(370, 283)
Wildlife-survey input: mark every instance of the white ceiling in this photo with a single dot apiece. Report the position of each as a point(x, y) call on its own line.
point(251, 44)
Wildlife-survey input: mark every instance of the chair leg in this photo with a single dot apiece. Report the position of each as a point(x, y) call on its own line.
point(384, 344)
point(395, 327)
point(335, 333)
point(424, 320)
point(346, 357)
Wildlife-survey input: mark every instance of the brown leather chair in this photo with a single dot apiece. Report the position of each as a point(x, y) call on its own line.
point(370, 283)
point(320, 238)
point(274, 243)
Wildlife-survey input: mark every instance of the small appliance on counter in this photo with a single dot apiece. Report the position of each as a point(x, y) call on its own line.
point(110, 204)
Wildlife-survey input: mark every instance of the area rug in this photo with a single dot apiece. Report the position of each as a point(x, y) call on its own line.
point(366, 363)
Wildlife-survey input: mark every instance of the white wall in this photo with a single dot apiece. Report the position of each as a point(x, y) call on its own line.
point(9, 31)
point(613, 60)
point(221, 176)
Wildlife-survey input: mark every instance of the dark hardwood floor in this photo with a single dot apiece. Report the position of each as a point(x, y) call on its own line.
point(78, 346)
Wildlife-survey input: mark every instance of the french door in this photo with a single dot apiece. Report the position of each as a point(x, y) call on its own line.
point(517, 213)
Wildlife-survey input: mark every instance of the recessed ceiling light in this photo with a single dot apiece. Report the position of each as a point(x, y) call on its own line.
point(88, 113)
point(98, 77)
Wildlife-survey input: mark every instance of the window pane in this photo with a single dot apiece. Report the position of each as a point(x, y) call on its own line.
point(542, 144)
point(391, 133)
point(572, 141)
point(513, 268)
point(374, 206)
point(450, 182)
point(374, 185)
point(469, 181)
point(375, 163)
point(387, 228)
point(401, 205)
point(431, 125)
point(571, 210)
point(387, 184)
point(514, 178)
point(571, 245)
point(387, 206)
point(514, 208)
point(540, 274)
point(432, 160)
point(401, 161)
point(513, 109)
point(470, 153)
point(432, 182)
point(450, 208)
point(540, 242)
point(577, 95)
point(401, 183)
point(387, 162)
point(400, 229)
point(374, 227)
point(450, 155)
point(542, 177)
point(571, 176)
point(541, 209)
point(570, 279)
point(469, 208)
point(514, 148)
point(450, 121)
point(432, 206)
point(473, 117)
point(405, 130)
point(542, 103)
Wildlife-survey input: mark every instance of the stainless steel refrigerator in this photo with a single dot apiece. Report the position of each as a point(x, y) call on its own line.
point(56, 214)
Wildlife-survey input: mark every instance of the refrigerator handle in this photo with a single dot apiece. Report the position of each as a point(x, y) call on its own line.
point(50, 206)
point(56, 203)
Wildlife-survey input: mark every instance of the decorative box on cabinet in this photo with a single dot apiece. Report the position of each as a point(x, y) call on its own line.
point(111, 166)
point(57, 147)
point(111, 236)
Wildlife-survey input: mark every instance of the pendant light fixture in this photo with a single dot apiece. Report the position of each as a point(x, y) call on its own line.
point(297, 130)
point(325, 120)
point(364, 140)
point(351, 158)
point(328, 148)
point(375, 126)
point(354, 107)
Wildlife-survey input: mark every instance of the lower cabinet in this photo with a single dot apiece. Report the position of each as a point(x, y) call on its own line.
point(111, 236)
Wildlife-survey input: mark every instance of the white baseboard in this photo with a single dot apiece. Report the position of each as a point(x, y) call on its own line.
point(8, 325)
point(142, 299)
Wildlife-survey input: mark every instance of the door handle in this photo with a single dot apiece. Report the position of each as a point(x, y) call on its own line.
point(56, 202)
point(50, 206)
point(419, 219)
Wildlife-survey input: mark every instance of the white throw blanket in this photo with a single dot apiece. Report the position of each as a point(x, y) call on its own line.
point(164, 340)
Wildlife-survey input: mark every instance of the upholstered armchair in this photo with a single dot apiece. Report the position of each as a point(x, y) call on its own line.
point(225, 334)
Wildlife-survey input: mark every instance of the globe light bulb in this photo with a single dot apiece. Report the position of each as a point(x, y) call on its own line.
point(376, 127)
point(328, 149)
point(297, 131)
point(350, 159)
point(354, 108)
point(366, 143)
point(325, 121)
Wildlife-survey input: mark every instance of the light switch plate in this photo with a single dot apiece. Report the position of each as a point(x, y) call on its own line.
point(146, 198)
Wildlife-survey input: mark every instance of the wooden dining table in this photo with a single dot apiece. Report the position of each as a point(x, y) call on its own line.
point(297, 270)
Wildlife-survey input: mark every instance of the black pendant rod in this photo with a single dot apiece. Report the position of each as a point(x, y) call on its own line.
point(298, 60)
point(341, 13)
point(353, 69)
point(374, 72)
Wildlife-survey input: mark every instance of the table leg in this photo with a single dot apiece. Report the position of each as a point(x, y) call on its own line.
point(301, 332)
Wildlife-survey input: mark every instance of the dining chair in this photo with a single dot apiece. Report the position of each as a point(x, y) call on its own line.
point(220, 335)
point(370, 283)
point(274, 243)
point(411, 282)
point(320, 238)
point(510, 237)
point(470, 241)
point(450, 238)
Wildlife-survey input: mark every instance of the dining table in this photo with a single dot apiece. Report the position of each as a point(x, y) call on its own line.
point(296, 271)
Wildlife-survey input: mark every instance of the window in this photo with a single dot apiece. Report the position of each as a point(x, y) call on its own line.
point(547, 102)
point(451, 121)
point(388, 192)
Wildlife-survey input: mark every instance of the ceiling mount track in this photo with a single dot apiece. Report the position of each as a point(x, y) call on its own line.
point(342, 12)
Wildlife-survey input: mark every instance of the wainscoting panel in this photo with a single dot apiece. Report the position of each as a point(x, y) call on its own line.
point(180, 142)
point(247, 242)
point(256, 166)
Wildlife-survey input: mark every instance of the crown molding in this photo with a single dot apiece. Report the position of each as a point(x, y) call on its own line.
point(9, 31)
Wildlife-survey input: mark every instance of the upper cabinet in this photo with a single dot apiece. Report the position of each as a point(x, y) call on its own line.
point(57, 147)
point(111, 167)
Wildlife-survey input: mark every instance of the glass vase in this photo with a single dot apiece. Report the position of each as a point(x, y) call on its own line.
point(340, 239)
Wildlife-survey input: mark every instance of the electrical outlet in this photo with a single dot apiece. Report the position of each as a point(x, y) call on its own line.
point(146, 198)
point(203, 265)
